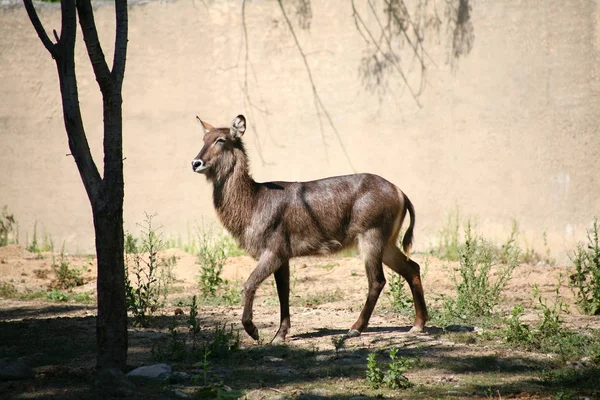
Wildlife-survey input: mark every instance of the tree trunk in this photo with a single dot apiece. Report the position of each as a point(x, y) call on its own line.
point(104, 192)
point(111, 322)
point(111, 325)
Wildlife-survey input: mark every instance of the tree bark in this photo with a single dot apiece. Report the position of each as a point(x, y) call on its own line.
point(111, 322)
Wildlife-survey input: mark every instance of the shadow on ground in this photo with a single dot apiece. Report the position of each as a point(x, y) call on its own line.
point(61, 354)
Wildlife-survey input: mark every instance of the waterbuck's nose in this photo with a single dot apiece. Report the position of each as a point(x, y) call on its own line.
point(197, 164)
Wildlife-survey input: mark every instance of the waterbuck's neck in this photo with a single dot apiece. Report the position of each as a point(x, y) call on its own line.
point(233, 195)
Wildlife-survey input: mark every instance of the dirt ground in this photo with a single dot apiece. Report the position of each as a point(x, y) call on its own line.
point(58, 338)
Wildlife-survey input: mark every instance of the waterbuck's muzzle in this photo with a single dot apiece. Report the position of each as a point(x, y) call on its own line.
point(198, 166)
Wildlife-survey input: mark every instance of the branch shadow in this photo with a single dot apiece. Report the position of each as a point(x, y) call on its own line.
point(28, 311)
point(325, 332)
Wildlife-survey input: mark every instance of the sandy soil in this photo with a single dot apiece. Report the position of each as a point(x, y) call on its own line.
point(336, 285)
point(340, 279)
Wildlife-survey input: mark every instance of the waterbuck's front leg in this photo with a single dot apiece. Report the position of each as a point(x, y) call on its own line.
point(282, 279)
point(268, 263)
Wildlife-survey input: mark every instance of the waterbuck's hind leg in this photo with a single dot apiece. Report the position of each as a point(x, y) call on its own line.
point(268, 263)
point(282, 280)
point(370, 248)
point(409, 270)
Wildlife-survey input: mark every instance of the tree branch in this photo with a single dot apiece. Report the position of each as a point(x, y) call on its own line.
point(92, 44)
point(39, 28)
point(121, 38)
point(63, 53)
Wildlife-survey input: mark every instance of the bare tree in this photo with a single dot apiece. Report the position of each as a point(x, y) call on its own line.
point(105, 191)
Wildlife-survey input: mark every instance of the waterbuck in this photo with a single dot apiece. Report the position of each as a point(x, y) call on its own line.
point(275, 221)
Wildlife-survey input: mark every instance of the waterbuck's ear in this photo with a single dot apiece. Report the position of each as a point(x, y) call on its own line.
point(238, 126)
point(205, 126)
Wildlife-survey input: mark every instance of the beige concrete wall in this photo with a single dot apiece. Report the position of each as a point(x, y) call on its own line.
point(513, 132)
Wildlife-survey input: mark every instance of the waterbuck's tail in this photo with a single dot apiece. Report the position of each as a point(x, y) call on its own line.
point(408, 236)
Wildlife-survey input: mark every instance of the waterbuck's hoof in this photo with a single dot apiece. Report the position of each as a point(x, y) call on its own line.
point(278, 340)
point(353, 333)
point(252, 331)
point(416, 329)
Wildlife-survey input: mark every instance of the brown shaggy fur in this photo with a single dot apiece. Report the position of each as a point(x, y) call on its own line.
point(275, 221)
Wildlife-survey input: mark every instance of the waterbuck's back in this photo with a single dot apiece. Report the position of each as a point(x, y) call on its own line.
point(322, 216)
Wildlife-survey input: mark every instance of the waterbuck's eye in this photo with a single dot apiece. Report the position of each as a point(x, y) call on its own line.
point(220, 140)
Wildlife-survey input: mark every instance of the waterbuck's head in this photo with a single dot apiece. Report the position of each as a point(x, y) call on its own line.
point(222, 147)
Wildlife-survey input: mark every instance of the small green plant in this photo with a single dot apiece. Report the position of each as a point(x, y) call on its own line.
point(551, 323)
point(548, 259)
point(515, 331)
point(212, 390)
point(191, 245)
point(338, 343)
point(448, 246)
point(230, 246)
point(231, 293)
point(569, 377)
point(172, 349)
point(152, 276)
point(166, 274)
point(84, 297)
point(224, 341)
point(204, 364)
point(36, 247)
point(8, 290)
point(221, 343)
point(66, 277)
point(31, 295)
point(60, 296)
point(193, 324)
point(549, 334)
point(211, 258)
point(531, 256)
point(477, 294)
point(393, 377)
point(131, 244)
point(57, 295)
point(585, 281)
point(213, 251)
point(510, 251)
point(374, 373)
point(8, 228)
point(401, 302)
